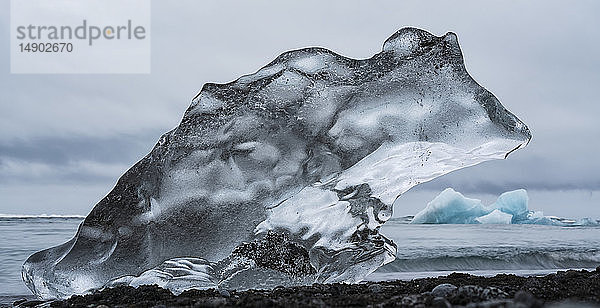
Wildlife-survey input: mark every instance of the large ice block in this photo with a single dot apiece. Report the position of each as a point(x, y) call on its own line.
point(314, 147)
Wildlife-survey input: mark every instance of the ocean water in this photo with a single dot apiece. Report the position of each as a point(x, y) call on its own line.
point(19, 238)
point(423, 250)
point(488, 249)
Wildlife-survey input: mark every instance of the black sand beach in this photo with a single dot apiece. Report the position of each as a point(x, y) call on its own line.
point(563, 289)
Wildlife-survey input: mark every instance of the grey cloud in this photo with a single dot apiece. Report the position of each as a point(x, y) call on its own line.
point(61, 150)
point(532, 173)
point(538, 57)
point(68, 160)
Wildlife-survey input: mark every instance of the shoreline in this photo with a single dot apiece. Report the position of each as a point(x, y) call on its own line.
point(564, 288)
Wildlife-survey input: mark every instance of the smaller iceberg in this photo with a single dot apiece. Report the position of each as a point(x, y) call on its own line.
point(512, 207)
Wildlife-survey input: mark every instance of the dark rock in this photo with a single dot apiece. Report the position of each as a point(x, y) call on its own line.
point(375, 288)
point(224, 293)
point(499, 303)
point(413, 300)
point(210, 302)
point(489, 293)
point(317, 302)
point(440, 302)
point(527, 299)
point(443, 290)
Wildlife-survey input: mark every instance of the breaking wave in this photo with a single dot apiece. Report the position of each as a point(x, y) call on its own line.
point(504, 261)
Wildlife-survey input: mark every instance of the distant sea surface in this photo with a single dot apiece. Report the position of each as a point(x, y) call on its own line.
point(423, 250)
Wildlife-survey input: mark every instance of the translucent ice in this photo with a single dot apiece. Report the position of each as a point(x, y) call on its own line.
point(495, 217)
point(451, 207)
point(513, 202)
point(284, 176)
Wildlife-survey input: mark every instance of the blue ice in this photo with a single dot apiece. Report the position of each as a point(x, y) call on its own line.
point(512, 207)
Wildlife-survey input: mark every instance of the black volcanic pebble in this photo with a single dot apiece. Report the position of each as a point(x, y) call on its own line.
point(443, 290)
point(576, 287)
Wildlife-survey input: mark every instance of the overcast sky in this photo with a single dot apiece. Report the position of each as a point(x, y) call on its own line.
point(65, 139)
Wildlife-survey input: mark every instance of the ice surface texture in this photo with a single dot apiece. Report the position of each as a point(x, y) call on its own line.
point(512, 207)
point(302, 160)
